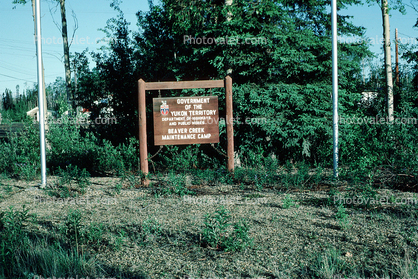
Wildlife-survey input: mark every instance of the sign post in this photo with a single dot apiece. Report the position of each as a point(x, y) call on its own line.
point(143, 152)
point(185, 120)
point(229, 123)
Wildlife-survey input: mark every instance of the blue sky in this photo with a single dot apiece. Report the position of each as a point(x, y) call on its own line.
point(17, 47)
point(18, 59)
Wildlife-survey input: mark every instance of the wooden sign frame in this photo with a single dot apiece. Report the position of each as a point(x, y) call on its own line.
point(143, 86)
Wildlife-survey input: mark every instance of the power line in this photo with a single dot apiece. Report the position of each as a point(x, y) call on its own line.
point(16, 78)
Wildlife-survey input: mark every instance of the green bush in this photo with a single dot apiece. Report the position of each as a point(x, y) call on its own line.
point(25, 256)
point(73, 229)
point(151, 230)
point(71, 183)
point(175, 184)
point(217, 233)
point(13, 239)
point(20, 154)
point(71, 145)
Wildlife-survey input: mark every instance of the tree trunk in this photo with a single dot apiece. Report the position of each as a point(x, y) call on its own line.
point(64, 34)
point(388, 63)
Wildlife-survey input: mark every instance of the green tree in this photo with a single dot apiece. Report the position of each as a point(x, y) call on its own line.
point(285, 79)
point(112, 84)
point(283, 75)
point(7, 100)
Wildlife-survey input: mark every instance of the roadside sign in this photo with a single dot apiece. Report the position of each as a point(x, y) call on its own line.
point(186, 120)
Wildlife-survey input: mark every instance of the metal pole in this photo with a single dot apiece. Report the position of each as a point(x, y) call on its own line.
point(40, 93)
point(334, 85)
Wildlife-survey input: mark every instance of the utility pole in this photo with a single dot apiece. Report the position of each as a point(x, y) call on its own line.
point(397, 57)
point(40, 90)
point(43, 70)
point(334, 85)
point(388, 63)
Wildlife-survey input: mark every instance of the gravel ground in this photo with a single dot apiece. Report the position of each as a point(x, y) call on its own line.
point(296, 233)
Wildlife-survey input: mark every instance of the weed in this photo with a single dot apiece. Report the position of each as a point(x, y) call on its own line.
point(201, 177)
point(331, 265)
point(333, 197)
point(295, 175)
point(217, 234)
point(253, 196)
point(72, 181)
point(223, 176)
point(118, 187)
point(175, 185)
point(342, 217)
point(13, 238)
point(151, 230)
point(133, 181)
point(260, 181)
point(239, 238)
point(318, 176)
point(94, 234)
point(364, 193)
point(288, 202)
point(407, 268)
point(27, 170)
point(119, 240)
point(8, 189)
point(216, 228)
point(73, 228)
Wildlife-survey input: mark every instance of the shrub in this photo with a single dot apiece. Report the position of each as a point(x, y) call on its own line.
point(174, 185)
point(217, 233)
point(71, 145)
point(20, 153)
point(13, 239)
point(72, 182)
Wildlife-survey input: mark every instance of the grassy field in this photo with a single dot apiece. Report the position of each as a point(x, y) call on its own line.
point(108, 228)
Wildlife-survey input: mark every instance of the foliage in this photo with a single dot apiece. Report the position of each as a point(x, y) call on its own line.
point(342, 217)
point(331, 264)
point(151, 230)
point(174, 185)
point(282, 105)
point(20, 154)
point(73, 229)
point(288, 202)
point(370, 143)
point(94, 234)
point(217, 234)
point(13, 238)
point(112, 84)
point(284, 79)
point(119, 240)
point(79, 234)
point(70, 144)
point(72, 182)
point(23, 255)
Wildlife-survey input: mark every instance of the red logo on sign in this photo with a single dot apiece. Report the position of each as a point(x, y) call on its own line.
point(164, 108)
